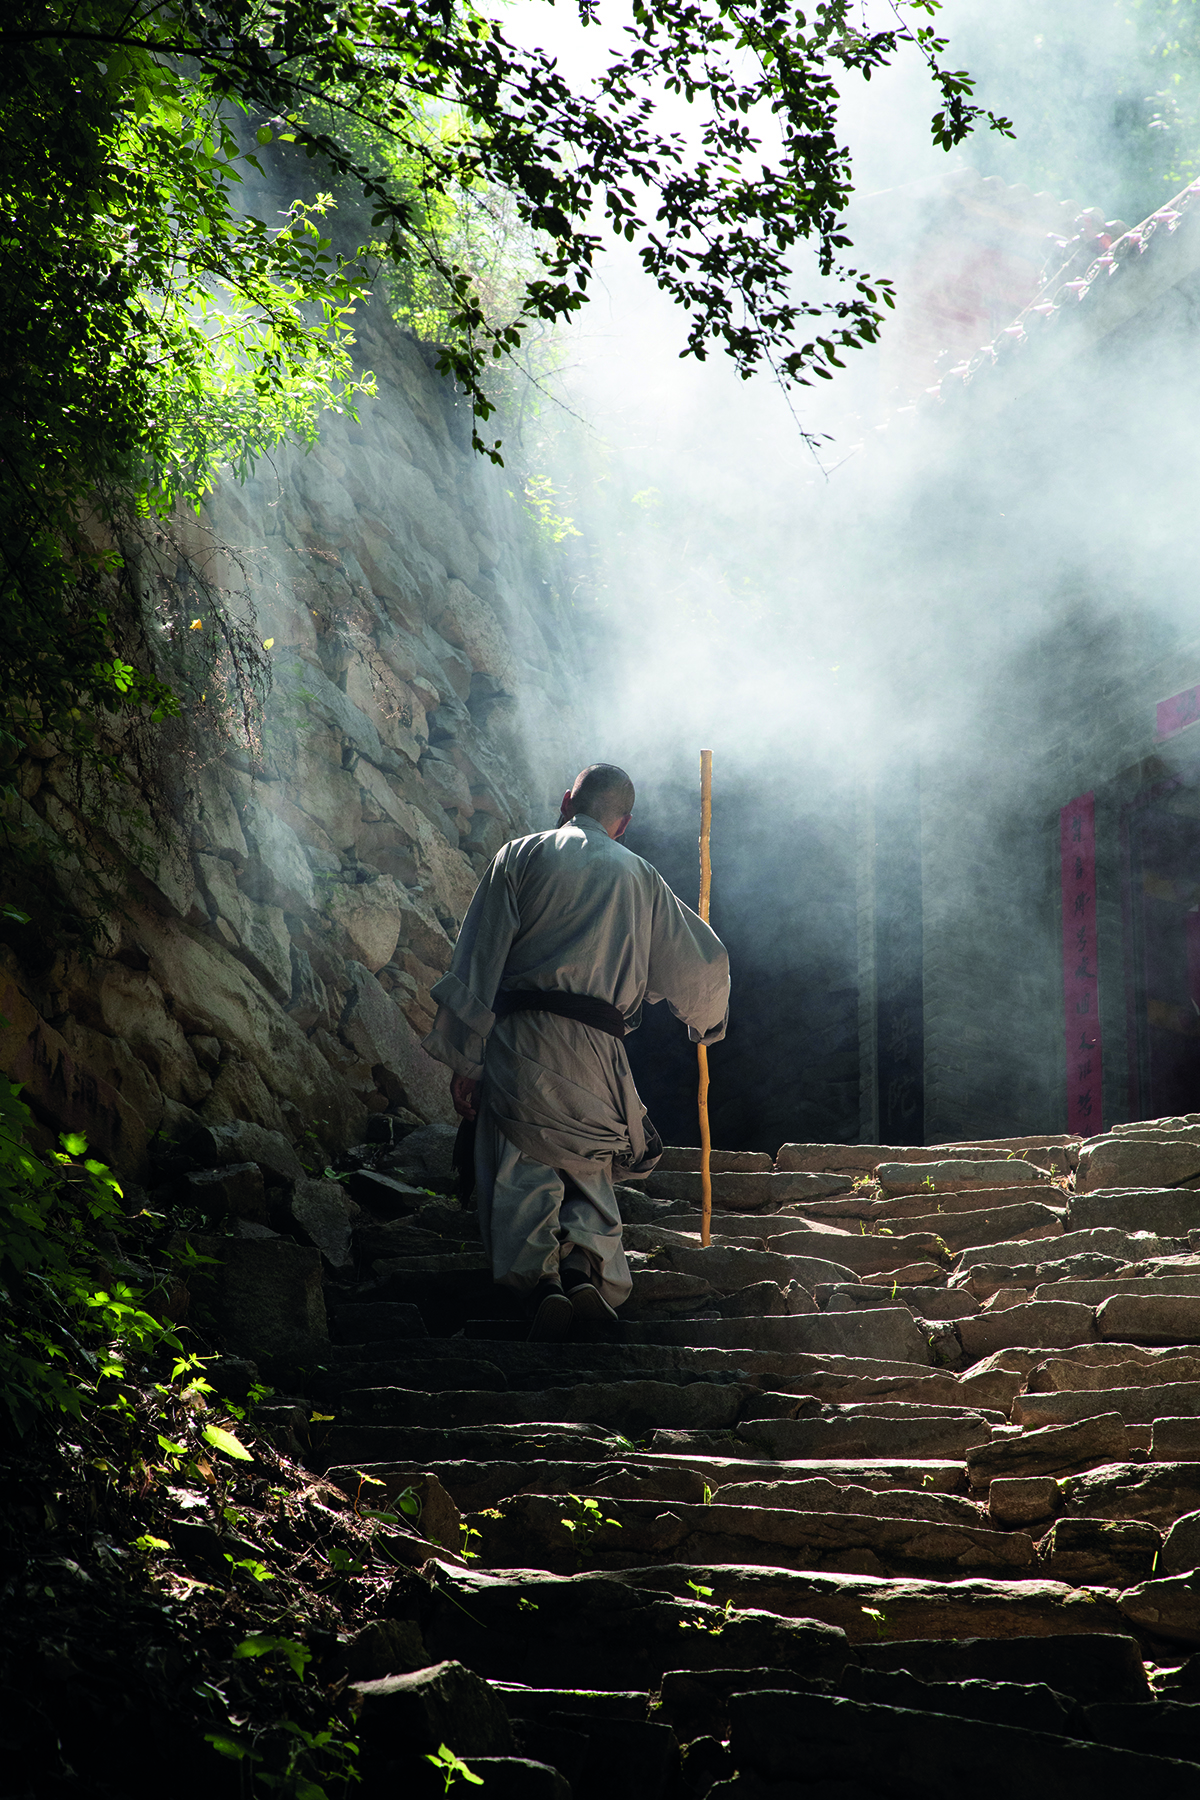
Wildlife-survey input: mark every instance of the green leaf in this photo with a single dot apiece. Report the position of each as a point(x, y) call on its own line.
point(226, 1443)
point(295, 1655)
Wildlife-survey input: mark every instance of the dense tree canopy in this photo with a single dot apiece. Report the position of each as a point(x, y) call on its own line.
point(155, 327)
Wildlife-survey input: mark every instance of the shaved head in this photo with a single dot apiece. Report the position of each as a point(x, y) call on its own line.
point(602, 791)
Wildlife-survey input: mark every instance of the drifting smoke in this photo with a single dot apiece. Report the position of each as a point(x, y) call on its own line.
point(912, 641)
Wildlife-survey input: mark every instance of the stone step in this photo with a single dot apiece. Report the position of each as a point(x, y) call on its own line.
point(1169, 1212)
point(1157, 1493)
point(886, 1332)
point(960, 1232)
point(1140, 1405)
point(863, 1254)
point(597, 1631)
point(848, 1741)
point(1147, 1319)
point(1107, 1287)
point(1037, 1325)
point(954, 1174)
point(1129, 1246)
point(476, 1483)
point(852, 1432)
point(1115, 1365)
point(1058, 1450)
point(541, 1531)
point(427, 1445)
point(629, 1407)
point(750, 1192)
point(906, 1607)
point(906, 1206)
point(819, 1494)
point(680, 1159)
point(1063, 1152)
point(923, 1302)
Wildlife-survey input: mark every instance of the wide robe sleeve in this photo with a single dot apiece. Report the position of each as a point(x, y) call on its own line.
point(466, 993)
point(689, 968)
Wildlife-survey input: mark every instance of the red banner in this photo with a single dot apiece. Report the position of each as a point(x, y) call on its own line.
point(1176, 713)
point(1081, 969)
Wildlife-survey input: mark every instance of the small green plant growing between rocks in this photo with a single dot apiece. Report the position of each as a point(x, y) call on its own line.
point(880, 1617)
point(586, 1522)
point(452, 1768)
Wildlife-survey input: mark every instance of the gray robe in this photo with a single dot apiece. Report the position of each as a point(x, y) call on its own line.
point(573, 910)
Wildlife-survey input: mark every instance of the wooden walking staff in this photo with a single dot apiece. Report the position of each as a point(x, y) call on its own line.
point(701, 1051)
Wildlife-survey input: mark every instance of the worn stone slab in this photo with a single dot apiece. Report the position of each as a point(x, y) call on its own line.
point(679, 1159)
point(1040, 1324)
point(864, 1158)
point(924, 1302)
point(819, 1494)
point(1146, 1319)
point(265, 1297)
point(1169, 1608)
point(538, 1531)
point(1022, 1500)
point(1158, 1493)
point(1171, 1212)
point(1112, 1162)
point(379, 1319)
point(855, 1433)
point(608, 1630)
point(1140, 1405)
point(748, 1192)
point(847, 1742)
point(1052, 1450)
point(864, 1254)
point(1090, 1667)
point(1109, 1287)
point(906, 1206)
point(889, 1334)
point(727, 1267)
point(953, 1173)
point(627, 1406)
point(911, 1608)
point(1181, 1547)
point(1175, 1440)
point(1129, 1246)
point(960, 1231)
point(1111, 1553)
point(362, 1445)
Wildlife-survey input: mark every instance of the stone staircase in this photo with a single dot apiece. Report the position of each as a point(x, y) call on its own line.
point(892, 1490)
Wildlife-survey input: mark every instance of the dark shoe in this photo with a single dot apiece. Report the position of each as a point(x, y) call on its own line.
point(587, 1302)
point(553, 1314)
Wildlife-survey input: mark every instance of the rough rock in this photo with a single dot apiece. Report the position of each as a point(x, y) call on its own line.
point(952, 1175)
point(240, 1142)
point(235, 1191)
point(1111, 1162)
point(857, 1433)
point(374, 1026)
point(1150, 1319)
point(1112, 1553)
point(865, 1255)
point(628, 1406)
point(1168, 1608)
point(1054, 1449)
point(320, 1213)
point(1175, 1440)
point(846, 1741)
point(1140, 1405)
point(1157, 1493)
point(1171, 1212)
point(1181, 1546)
point(756, 1192)
point(1040, 1323)
point(1022, 1500)
point(265, 1297)
point(443, 1704)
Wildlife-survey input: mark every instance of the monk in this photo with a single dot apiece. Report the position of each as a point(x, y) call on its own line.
point(568, 936)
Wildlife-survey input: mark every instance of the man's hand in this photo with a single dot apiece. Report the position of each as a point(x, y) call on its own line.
point(465, 1096)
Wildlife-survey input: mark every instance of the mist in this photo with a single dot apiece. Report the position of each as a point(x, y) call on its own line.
point(914, 614)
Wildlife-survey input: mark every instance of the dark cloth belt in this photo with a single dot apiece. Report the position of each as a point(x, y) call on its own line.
point(597, 1013)
point(589, 1011)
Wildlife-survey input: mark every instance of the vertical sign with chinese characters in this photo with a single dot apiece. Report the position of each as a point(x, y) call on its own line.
point(1081, 969)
